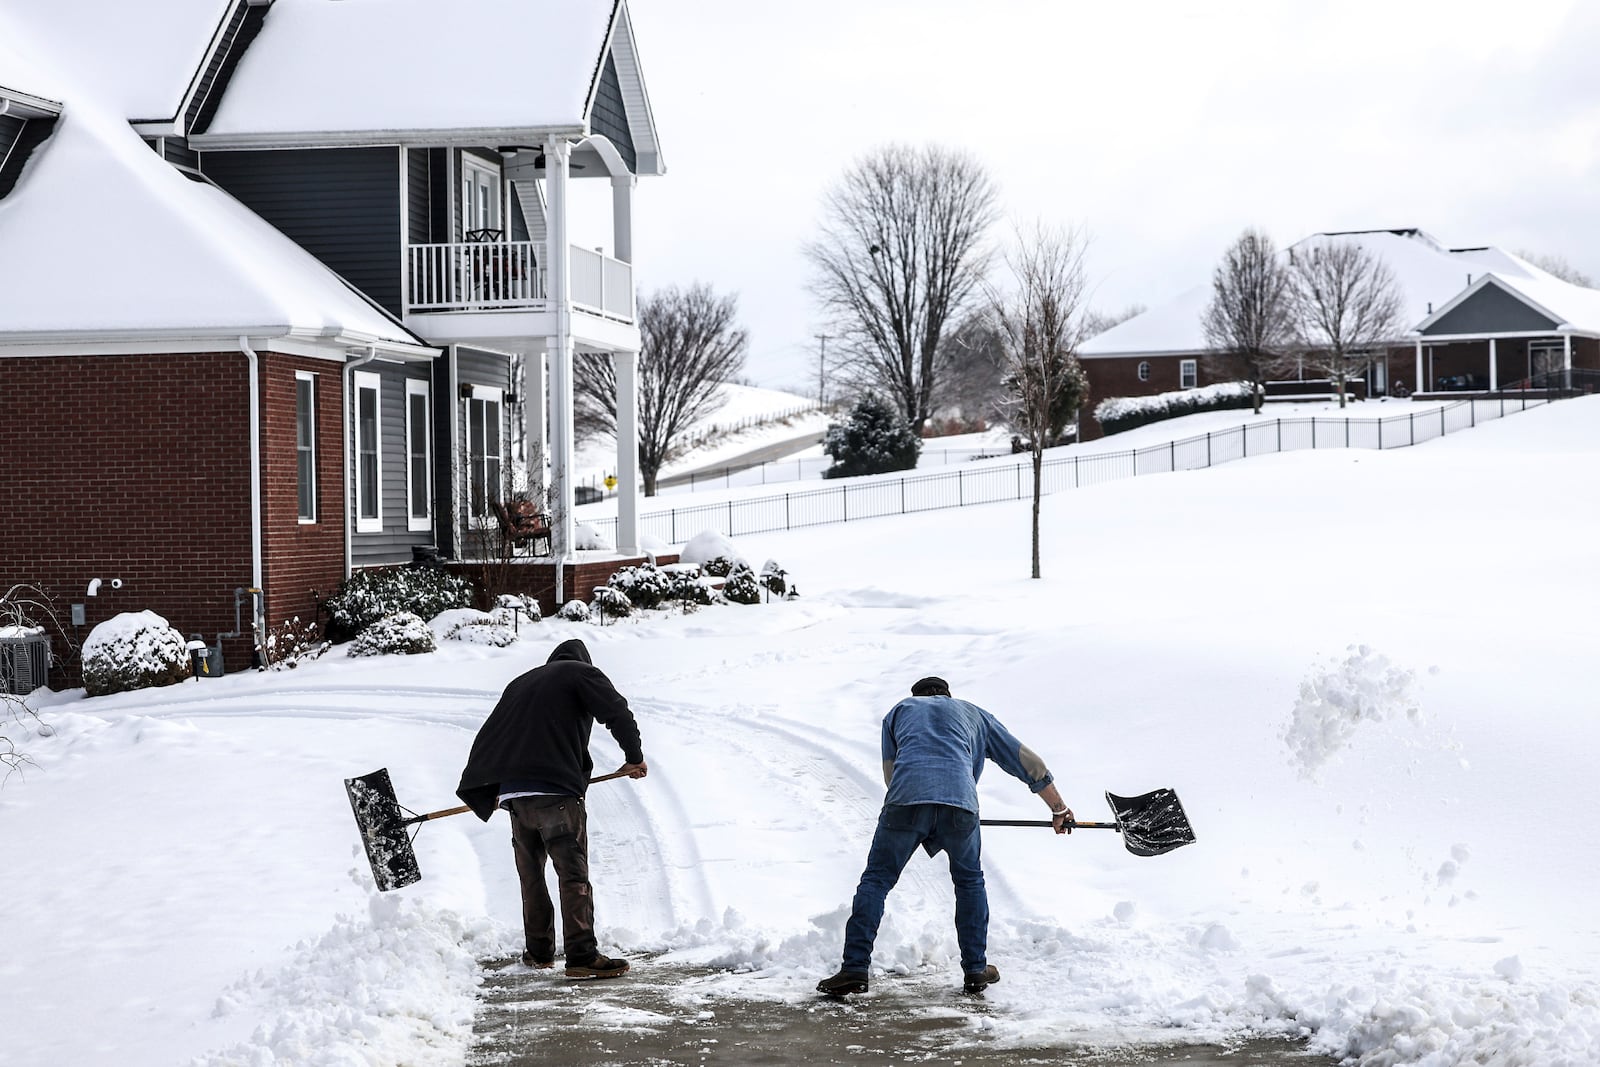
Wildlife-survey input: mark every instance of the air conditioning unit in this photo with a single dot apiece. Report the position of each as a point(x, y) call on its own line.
point(24, 660)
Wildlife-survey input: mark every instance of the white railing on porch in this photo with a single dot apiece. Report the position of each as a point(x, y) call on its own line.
point(496, 275)
point(602, 284)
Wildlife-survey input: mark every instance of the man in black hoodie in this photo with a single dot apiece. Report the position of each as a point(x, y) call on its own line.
point(531, 757)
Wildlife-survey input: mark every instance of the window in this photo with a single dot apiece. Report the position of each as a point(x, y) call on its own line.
point(484, 449)
point(480, 196)
point(1144, 370)
point(419, 469)
point(305, 443)
point(369, 466)
point(1186, 374)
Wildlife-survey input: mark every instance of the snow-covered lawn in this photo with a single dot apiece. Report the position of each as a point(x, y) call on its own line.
point(1368, 675)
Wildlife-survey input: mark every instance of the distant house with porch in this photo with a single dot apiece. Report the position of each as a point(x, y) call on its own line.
point(279, 279)
point(1479, 319)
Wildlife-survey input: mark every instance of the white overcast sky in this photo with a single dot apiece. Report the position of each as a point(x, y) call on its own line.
point(1161, 128)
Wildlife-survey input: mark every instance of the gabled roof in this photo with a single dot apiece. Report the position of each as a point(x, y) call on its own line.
point(138, 57)
point(484, 72)
point(102, 240)
point(1431, 278)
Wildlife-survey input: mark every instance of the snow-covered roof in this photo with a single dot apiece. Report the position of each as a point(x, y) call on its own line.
point(334, 71)
point(1431, 278)
point(136, 57)
point(102, 239)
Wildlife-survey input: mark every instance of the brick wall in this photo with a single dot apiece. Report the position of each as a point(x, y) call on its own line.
point(1119, 376)
point(137, 467)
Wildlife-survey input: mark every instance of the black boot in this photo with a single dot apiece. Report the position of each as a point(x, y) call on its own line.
point(844, 982)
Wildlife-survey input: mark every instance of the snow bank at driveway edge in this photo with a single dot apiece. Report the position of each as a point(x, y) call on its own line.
point(396, 985)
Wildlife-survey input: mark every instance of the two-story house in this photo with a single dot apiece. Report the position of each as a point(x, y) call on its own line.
point(282, 280)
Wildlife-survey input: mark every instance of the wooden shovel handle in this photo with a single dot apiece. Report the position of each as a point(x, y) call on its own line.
point(463, 809)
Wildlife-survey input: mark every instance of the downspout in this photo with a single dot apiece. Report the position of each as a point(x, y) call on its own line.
point(257, 569)
point(348, 446)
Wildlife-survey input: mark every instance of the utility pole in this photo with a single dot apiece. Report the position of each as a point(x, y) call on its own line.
point(822, 368)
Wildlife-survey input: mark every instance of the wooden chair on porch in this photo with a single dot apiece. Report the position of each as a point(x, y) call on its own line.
point(524, 527)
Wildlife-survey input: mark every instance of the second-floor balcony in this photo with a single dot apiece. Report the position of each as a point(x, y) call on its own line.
point(512, 275)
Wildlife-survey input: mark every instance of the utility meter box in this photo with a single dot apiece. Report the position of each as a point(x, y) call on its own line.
point(204, 659)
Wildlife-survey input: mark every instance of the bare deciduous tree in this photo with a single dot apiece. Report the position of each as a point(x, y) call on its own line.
point(971, 370)
point(1040, 326)
point(689, 345)
point(900, 256)
point(1250, 321)
point(1557, 265)
point(1098, 322)
point(1347, 307)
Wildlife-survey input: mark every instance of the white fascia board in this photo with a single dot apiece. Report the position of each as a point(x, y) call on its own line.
point(316, 346)
point(600, 62)
point(646, 142)
point(1189, 353)
point(26, 105)
point(462, 137)
point(1509, 335)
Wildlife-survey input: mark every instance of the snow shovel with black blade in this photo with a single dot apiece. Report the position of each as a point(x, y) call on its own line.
point(383, 822)
point(1150, 824)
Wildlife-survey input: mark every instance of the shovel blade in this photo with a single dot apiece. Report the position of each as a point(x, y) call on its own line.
point(383, 831)
point(1152, 823)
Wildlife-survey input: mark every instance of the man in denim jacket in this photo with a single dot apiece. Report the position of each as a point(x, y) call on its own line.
point(933, 752)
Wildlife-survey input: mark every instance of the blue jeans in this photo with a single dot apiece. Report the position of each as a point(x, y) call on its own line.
point(901, 828)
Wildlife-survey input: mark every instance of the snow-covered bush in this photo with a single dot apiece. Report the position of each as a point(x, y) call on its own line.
point(608, 600)
point(721, 566)
point(574, 611)
point(711, 550)
point(508, 604)
point(292, 643)
point(133, 650)
point(874, 439)
point(741, 586)
point(473, 627)
point(402, 633)
point(1120, 413)
point(586, 538)
point(775, 578)
point(645, 586)
point(367, 596)
point(687, 587)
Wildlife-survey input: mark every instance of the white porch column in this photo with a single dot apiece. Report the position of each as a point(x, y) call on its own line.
point(558, 267)
point(537, 448)
point(1566, 361)
point(622, 216)
point(627, 452)
point(1419, 386)
point(1494, 366)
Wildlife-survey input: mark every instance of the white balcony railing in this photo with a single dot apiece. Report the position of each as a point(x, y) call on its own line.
point(498, 275)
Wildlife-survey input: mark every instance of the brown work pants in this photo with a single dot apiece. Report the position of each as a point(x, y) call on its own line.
point(557, 827)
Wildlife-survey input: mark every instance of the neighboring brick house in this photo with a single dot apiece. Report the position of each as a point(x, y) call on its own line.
point(273, 305)
point(1479, 319)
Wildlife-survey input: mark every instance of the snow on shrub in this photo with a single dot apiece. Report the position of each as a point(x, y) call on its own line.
point(133, 650)
point(574, 611)
point(506, 605)
point(294, 642)
point(708, 547)
point(687, 587)
point(402, 633)
point(874, 439)
point(741, 586)
point(609, 601)
point(473, 627)
point(586, 538)
point(1120, 413)
point(367, 596)
point(645, 585)
point(775, 578)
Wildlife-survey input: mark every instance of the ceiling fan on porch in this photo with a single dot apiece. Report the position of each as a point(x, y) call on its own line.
point(511, 151)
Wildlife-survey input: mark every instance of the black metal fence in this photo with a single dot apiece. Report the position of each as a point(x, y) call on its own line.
point(877, 497)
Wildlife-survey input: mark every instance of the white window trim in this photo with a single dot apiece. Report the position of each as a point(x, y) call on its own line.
point(498, 395)
point(419, 387)
point(1143, 370)
point(306, 376)
point(368, 380)
point(469, 164)
point(1189, 368)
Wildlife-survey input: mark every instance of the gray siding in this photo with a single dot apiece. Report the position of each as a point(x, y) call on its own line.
point(393, 544)
point(1490, 310)
point(340, 204)
point(419, 195)
point(609, 117)
point(18, 146)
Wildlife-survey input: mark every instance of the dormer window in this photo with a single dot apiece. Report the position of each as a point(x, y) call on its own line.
point(480, 199)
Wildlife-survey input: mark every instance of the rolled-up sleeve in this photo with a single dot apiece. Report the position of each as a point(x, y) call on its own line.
point(1012, 756)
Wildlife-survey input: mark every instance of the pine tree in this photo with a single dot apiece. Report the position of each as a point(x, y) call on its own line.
point(874, 439)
